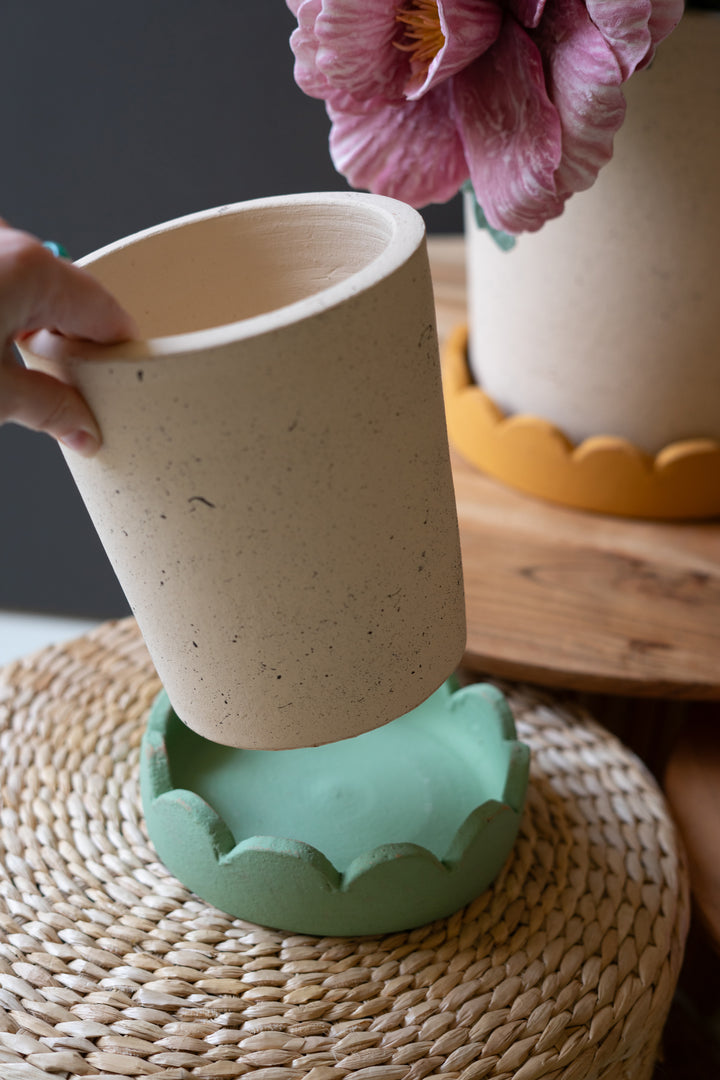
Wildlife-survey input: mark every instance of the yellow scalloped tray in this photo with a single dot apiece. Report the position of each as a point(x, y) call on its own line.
point(604, 473)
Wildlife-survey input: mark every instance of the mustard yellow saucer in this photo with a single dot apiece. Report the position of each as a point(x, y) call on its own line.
point(605, 473)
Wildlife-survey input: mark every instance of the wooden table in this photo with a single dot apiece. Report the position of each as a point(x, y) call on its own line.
point(582, 601)
point(621, 608)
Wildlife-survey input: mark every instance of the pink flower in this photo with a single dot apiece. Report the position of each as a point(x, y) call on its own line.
point(522, 96)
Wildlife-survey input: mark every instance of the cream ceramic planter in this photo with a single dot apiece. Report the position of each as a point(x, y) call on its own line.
point(274, 488)
point(605, 321)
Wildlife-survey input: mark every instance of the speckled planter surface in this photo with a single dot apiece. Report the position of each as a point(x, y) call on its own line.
point(274, 488)
point(605, 321)
point(382, 832)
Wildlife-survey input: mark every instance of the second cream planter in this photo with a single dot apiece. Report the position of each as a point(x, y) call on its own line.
point(605, 321)
point(274, 488)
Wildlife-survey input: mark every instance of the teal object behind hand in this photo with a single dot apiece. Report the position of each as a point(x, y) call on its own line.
point(57, 249)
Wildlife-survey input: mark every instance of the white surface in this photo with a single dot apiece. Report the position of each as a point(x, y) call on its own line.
point(21, 633)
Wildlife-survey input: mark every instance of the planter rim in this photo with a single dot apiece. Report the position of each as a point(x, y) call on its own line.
point(405, 232)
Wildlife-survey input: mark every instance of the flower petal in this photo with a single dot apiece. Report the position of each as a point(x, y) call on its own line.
point(355, 48)
point(510, 131)
point(470, 27)
point(584, 82)
point(666, 14)
point(304, 44)
point(409, 151)
point(625, 25)
point(527, 12)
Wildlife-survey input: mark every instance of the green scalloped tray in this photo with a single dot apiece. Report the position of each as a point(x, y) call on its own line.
point(374, 834)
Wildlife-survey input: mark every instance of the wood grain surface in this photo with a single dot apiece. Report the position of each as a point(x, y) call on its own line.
point(577, 600)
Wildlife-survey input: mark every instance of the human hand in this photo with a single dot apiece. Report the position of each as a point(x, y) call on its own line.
point(40, 291)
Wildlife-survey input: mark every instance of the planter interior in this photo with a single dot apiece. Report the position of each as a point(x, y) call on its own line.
point(209, 271)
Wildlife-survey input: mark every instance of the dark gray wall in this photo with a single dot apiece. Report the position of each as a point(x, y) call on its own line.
point(115, 116)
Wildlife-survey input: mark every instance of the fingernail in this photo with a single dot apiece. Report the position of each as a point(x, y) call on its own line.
point(85, 443)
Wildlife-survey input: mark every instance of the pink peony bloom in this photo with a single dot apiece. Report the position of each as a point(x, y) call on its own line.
point(522, 96)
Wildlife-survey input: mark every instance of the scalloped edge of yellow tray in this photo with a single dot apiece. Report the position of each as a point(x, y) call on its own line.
point(604, 473)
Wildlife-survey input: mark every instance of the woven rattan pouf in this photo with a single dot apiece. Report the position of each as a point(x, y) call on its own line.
point(109, 967)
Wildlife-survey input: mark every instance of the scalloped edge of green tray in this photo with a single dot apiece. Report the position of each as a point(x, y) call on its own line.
point(291, 885)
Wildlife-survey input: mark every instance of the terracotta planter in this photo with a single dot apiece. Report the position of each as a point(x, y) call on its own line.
point(605, 321)
point(274, 489)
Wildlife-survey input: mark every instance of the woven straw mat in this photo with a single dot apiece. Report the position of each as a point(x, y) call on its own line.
point(109, 967)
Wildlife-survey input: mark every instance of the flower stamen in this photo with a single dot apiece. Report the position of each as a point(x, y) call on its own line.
point(422, 36)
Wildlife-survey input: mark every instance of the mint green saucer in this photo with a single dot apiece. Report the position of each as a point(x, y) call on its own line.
point(382, 832)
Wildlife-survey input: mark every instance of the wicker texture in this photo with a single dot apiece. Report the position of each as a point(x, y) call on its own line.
point(109, 967)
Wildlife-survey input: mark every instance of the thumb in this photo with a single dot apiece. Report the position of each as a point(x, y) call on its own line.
point(42, 403)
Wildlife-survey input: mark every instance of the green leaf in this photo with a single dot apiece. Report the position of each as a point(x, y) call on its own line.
point(505, 241)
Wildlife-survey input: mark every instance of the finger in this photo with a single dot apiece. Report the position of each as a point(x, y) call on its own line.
point(39, 402)
point(38, 290)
